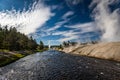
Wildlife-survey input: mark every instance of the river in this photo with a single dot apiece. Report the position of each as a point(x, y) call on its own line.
point(55, 65)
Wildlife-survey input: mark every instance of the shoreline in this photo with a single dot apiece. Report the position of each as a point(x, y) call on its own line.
point(7, 57)
point(108, 51)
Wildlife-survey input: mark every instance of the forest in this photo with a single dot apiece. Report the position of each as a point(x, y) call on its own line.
point(11, 39)
point(15, 45)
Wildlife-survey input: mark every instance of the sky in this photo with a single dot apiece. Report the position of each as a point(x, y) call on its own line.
point(56, 21)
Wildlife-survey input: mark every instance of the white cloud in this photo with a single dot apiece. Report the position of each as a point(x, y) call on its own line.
point(60, 23)
point(59, 33)
point(26, 21)
point(70, 33)
point(107, 21)
point(53, 28)
point(66, 15)
point(67, 35)
point(71, 3)
point(81, 25)
point(68, 38)
point(77, 32)
point(57, 25)
point(84, 27)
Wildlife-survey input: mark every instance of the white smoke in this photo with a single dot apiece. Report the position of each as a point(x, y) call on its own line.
point(26, 21)
point(108, 21)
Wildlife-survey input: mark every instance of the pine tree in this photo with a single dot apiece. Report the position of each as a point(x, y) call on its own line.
point(41, 45)
point(10, 39)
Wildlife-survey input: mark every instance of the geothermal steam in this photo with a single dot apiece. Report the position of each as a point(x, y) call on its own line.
point(26, 21)
point(108, 21)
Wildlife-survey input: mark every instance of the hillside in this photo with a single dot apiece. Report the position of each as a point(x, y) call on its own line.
point(109, 50)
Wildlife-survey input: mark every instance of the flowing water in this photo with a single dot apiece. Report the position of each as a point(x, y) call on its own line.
point(54, 65)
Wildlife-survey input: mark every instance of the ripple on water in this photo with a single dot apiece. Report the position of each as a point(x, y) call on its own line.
point(2, 78)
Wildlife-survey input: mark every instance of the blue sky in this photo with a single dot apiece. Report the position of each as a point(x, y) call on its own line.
point(62, 20)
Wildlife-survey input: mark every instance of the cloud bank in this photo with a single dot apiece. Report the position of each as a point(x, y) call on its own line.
point(67, 35)
point(26, 21)
point(107, 21)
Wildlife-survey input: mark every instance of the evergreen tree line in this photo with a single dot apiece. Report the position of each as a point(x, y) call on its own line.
point(68, 43)
point(11, 39)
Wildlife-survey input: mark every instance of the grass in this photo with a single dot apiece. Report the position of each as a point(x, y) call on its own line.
point(7, 58)
point(19, 55)
point(42, 50)
point(4, 50)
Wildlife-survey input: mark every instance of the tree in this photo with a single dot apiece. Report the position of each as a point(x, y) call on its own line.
point(1, 37)
point(32, 44)
point(10, 39)
point(41, 46)
point(60, 46)
point(66, 44)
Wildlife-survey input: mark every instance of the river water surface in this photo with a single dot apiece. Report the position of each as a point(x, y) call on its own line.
point(54, 65)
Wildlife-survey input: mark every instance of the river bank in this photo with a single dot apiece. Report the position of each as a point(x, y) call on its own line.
point(7, 57)
point(109, 51)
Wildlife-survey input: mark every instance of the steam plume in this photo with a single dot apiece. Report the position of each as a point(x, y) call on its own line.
point(107, 20)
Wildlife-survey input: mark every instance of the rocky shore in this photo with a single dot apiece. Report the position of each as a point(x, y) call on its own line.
point(7, 57)
point(110, 51)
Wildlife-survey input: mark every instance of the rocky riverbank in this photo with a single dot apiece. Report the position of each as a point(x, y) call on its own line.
point(7, 57)
point(110, 51)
